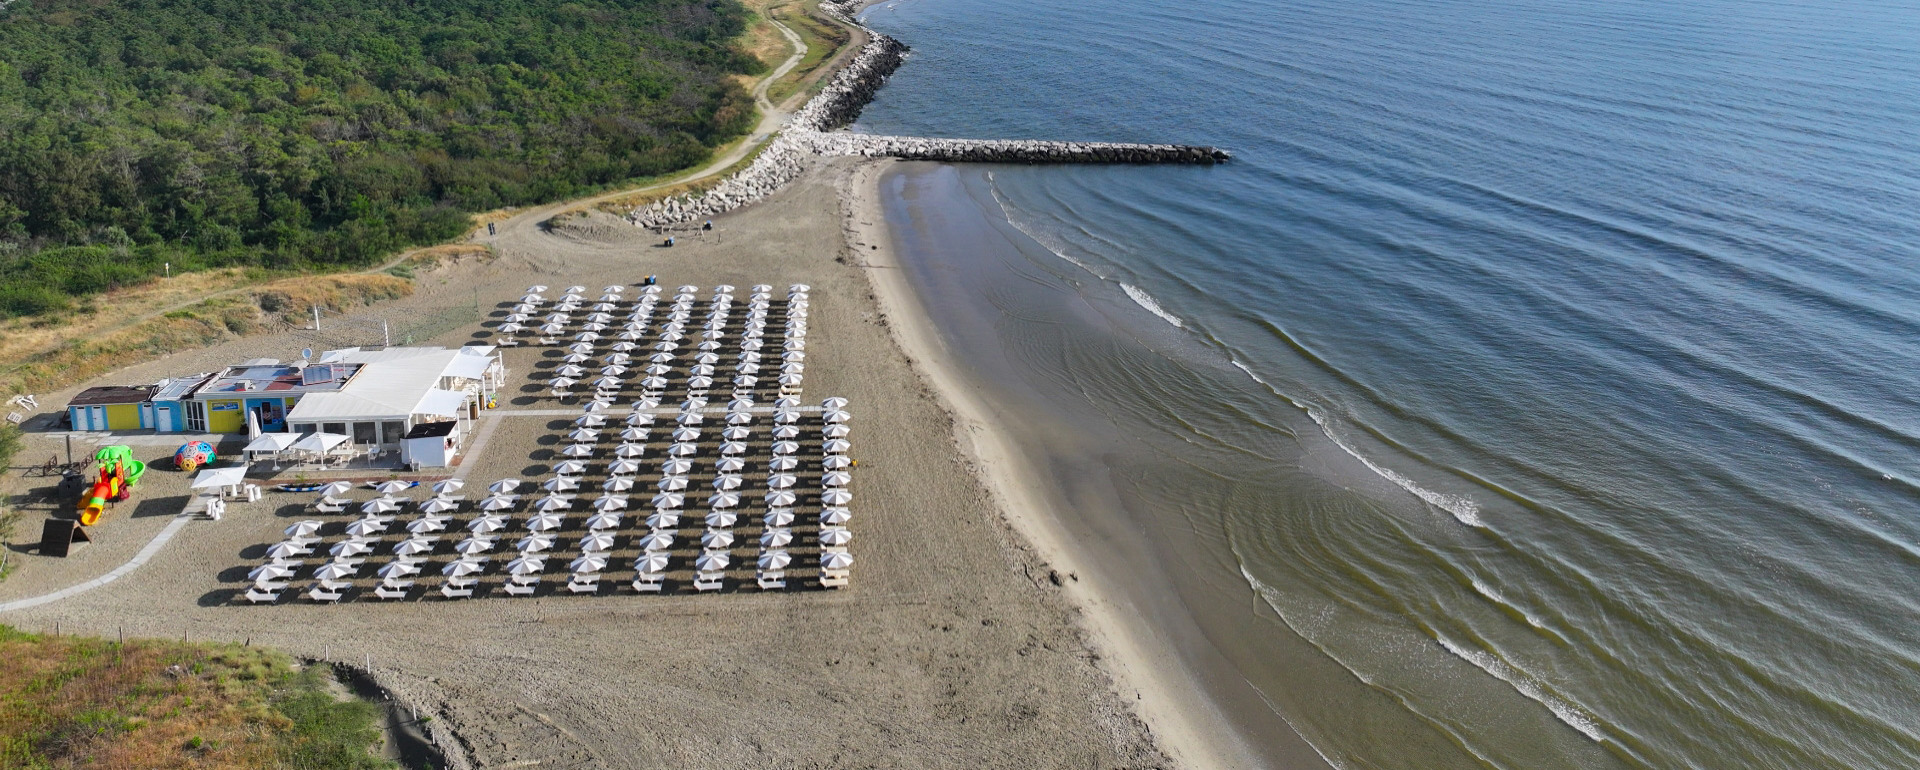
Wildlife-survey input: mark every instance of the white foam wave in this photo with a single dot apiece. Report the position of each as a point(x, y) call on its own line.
point(1142, 298)
point(1528, 686)
point(1497, 598)
point(1462, 508)
point(1045, 242)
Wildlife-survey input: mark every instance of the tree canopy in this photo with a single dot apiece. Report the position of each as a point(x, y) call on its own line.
point(328, 133)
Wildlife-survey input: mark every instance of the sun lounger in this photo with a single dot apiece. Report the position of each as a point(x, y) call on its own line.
point(708, 581)
point(771, 579)
point(456, 592)
point(325, 508)
point(393, 590)
point(322, 593)
point(833, 578)
point(517, 588)
point(584, 584)
point(648, 582)
point(258, 596)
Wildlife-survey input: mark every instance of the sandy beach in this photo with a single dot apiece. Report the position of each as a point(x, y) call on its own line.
point(960, 644)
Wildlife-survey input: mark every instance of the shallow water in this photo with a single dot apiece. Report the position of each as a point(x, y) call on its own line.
point(1546, 368)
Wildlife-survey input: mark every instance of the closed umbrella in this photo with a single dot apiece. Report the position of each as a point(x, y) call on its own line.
point(776, 538)
point(837, 560)
point(836, 478)
point(303, 528)
point(781, 497)
point(836, 496)
point(560, 484)
point(657, 541)
point(723, 500)
point(778, 517)
point(534, 543)
point(712, 561)
point(775, 560)
point(835, 516)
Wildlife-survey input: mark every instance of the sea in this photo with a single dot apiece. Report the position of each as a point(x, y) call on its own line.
point(1535, 388)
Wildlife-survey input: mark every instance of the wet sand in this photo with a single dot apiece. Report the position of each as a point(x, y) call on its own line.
point(952, 648)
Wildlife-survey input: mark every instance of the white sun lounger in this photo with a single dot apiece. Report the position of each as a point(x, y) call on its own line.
point(323, 593)
point(452, 591)
point(833, 578)
point(648, 582)
point(771, 579)
point(520, 588)
point(708, 581)
point(258, 596)
point(584, 584)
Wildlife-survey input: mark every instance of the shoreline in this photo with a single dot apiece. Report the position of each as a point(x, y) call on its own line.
point(1186, 724)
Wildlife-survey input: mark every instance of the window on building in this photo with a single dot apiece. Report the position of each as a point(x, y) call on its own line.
point(196, 417)
point(336, 428)
point(392, 431)
point(364, 433)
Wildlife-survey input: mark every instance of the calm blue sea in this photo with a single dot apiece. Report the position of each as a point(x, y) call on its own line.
point(1548, 369)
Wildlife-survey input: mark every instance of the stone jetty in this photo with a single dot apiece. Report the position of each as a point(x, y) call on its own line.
point(812, 133)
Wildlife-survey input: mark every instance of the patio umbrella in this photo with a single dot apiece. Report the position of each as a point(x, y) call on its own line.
point(686, 434)
point(365, 527)
point(551, 503)
point(726, 481)
point(750, 344)
point(583, 434)
point(399, 568)
point(716, 539)
point(663, 519)
point(486, 524)
point(691, 418)
point(836, 536)
point(570, 370)
point(783, 463)
point(427, 524)
point(776, 538)
point(733, 448)
point(604, 520)
point(785, 447)
point(575, 358)
point(836, 496)
point(747, 367)
point(651, 563)
point(438, 505)
point(788, 403)
point(534, 543)
point(512, 327)
point(736, 433)
point(503, 486)
point(617, 483)
point(786, 417)
point(578, 450)
point(671, 483)
point(380, 505)
point(712, 561)
point(569, 467)
point(590, 420)
point(661, 357)
point(629, 451)
point(830, 404)
point(722, 519)
point(474, 545)
point(837, 560)
point(544, 522)
point(608, 383)
point(729, 464)
point(597, 541)
point(835, 446)
point(634, 434)
point(413, 545)
point(676, 465)
point(782, 481)
point(610, 503)
point(723, 500)
point(656, 370)
point(669, 500)
point(618, 359)
point(683, 450)
point(640, 418)
point(587, 336)
point(336, 488)
point(303, 528)
point(836, 430)
point(745, 381)
point(654, 383)
point(836, 478)
point(527, 565)
point(699, 382)
point(334, 570)
point(561, 484)
point(775, 560)
point(497, 503)
point(562, 383)
point(781, 497)
point(835, 516)
point(793, 367)
point(702, 370)
point(837, 416)
point(785, 432)
point(778, 517)
point(463, 567)
point(447, 486)
point(657, 541)
point(286, 550)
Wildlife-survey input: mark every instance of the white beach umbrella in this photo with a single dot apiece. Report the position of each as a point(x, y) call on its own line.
point(569, 371)
point(551, 503)
point(656, 370)
point(596, 541)
point(835, 516)
point(527, 565)
point(787, 403)
point(723, 500)
point(739, 418)
point(427, 524)
point(727, 481)
point(654, 383)
point(831, 404)
point(380, 505)
point(590, 420)
point(776, 538)
point(837, 415)
point(836, 478)
point(534, 543)
point(657, 541)
point(740, 405)
point(624, 466)
point(838, 430)
point(634, 434)
point(793, 367)
point(785, 447)
point(782, 481)
point(722, 519)
point(786, 431)
point(503, 486)
point(699, 382)
point(560, 484)
point(786, 417)
point(640, 419)
point(486, 524)
point(575, 358)
point(733, 448)
point(716, 539)
point(835, 446)
point(669, 500)
point(712, 561)
point(775, 560)
point(474, 545)
point(750, 344)
point(512, 327)
point(617, 483)
point(747, 367)
point(690, 418)
point(618, 359)
point(399, 568)
point(413, 545)
point(610, 503)
point(672, 483)
point(352, 548)
point(836, 496)
point(663, 519)
point(781, 497)
point(365, 527)
point(604, 520)
point(286, 550)
point(686, 433)
point(448, 486)
point(544, 522)
point(562, 383)
point(598, 404)
point(335, 488)
point(683, 450)
point(837, 560)
point(836, 536)
point(608, 383)
point(778, 517)
point(651, 563)
point(583, 434)
point(439, 505)
point(463, 567)
point(729, 464)
point(630, 451)
point(736, 433)
point(746, 381)
point(569, 467)
point(334, 570)
point(661, 357)
point(783, 463)
point(497, 503)
point(676, 465)
point(303, 528)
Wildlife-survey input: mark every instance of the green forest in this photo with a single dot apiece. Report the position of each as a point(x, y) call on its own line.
point(327, 134)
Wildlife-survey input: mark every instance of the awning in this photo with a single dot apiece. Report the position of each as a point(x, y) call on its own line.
point(221, 477)
point(441, 403)
point(319, 442)
point(272, 442)
point(467, 365)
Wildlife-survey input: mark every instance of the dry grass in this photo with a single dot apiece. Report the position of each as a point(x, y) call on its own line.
point(824, 40)
point(80, 355)
point(76, 702)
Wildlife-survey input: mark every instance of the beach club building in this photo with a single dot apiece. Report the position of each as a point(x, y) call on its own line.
point(374, 396)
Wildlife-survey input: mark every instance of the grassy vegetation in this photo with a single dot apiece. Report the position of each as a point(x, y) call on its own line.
point(74, 702)
point(822, 37)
